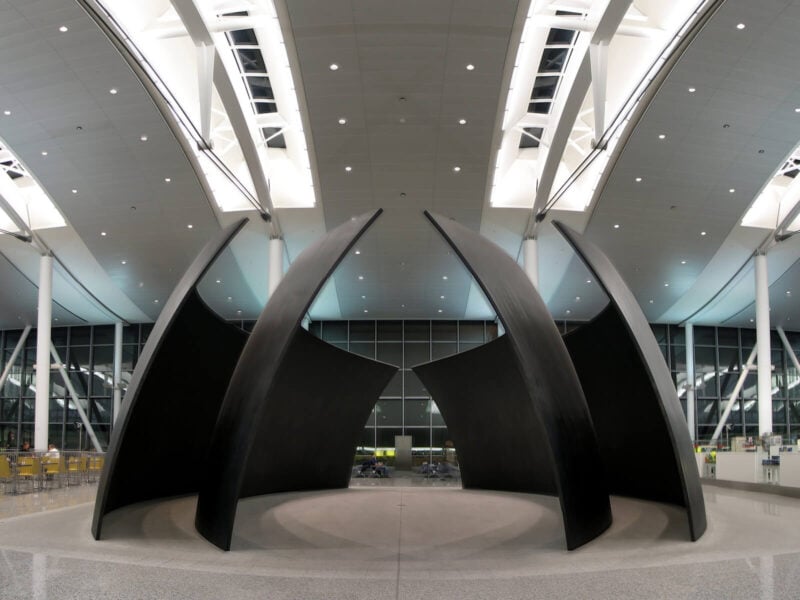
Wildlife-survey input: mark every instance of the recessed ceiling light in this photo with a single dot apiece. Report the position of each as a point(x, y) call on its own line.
point(143, 138)
point(7, 113)
point(651, 301)
point(363, 297)
point(462, 121)
point(788, 292)
point(577, 298)
point(797, 110)
point(342, 121)
point(334, 67)
point(730, 191)
point(588, 281)
point(238, 312)
point(365, 310)
point(638, 179)
point(63, 29)
point(167, 179)
point(457, 169)
point(683, 262)
point(230, 298)
point(702, 233)
point(692, 90)
point(156, 300)
point(218, 281)
point(74, 191)
point(740, 26)
point(751, 320)
point(440, 310)
point(616, 225)
point(568, 311)
point(124, 262)
point(358, 251)
point(661, 136)
point(103, 233)
point(112, 91)
point(666, 285)
point(441, 297)
point(348, 168)
point(44, 152)
point(444, 277)
point(189, 226)
point(470, 67)
point(360, 277)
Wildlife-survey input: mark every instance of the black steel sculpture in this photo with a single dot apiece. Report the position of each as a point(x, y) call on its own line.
point(553, 394)
point(640, 425)
point(491, 419)
point(312, 417)
point(277, 385)
point(173, 398)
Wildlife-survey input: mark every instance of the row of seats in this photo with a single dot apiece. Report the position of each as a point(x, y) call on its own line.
point(20, 472)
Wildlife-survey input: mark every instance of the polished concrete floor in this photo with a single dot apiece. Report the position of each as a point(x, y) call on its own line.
point(399, 538)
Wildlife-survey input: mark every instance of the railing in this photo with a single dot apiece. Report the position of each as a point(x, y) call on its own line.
point(22, 472)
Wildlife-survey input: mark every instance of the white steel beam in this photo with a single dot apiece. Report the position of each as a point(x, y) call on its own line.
point(570, 106)
point(735, 393)
point(41, 427)
point(205, 83)
point(598, 54)
point(14, 355)
point(75, 399)
point(763, 340)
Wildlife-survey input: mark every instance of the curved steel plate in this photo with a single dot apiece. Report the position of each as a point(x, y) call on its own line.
point(491, 419)
point(255, 382)
point(550, 381)
point(619, 346)
point(173, 398)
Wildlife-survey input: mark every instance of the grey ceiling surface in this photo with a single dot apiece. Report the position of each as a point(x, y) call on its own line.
point(402, 85)
point(732, 133)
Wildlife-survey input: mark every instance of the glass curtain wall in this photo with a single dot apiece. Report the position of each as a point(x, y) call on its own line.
point(719, 356)
point(405, 406)
point(87, 353)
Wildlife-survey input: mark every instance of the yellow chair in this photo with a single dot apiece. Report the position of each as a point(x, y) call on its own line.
point(96, 462)
point(53, 469)
point(6, 476)
point(29, 468)
point(77, 469)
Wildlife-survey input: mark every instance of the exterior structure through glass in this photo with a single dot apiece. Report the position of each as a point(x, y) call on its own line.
point(405, 407)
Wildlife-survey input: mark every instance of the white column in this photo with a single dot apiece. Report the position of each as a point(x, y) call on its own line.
point(530, 260)
point(275, 264)
point(42, 406)
point(762, 343)
point(117, 368)
point(691, 380)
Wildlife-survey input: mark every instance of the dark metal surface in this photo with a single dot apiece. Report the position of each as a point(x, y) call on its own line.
point(640, 424)
point(256, 380)
point(313, 417)
point(173, 398)
point(549, 378)
point(491, 419)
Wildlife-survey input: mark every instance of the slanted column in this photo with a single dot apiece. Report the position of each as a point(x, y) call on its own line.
point(117, 369)
point(763, 345)
point(42, 405)
point(691, 380)
point(530, 260)
point(275, 264)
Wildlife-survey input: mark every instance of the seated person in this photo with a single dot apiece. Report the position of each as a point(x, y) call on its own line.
point(52, 451)
point(26, 447)
point(380, 469)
